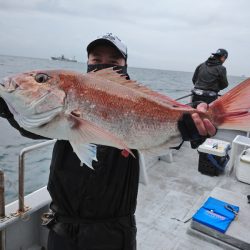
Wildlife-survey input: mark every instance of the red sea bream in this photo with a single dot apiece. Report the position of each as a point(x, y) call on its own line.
point(103, 107)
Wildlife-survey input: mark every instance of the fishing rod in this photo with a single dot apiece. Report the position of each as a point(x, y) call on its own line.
point(183, 97)
point(187, 96)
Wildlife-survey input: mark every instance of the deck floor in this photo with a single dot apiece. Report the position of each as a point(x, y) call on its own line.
point(173, 193)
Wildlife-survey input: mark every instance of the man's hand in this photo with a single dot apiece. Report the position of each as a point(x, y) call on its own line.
point(204, 126)
point(194, 128)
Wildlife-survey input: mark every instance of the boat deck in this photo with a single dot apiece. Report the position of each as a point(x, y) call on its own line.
point(173, 194)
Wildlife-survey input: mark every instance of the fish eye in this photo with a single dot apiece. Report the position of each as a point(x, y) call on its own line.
point(41, 78)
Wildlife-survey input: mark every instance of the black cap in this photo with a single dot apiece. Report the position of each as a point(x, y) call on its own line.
point(221, 52)
point(112, 40)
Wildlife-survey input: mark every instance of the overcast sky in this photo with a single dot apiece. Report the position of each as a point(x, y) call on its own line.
point(164, 34)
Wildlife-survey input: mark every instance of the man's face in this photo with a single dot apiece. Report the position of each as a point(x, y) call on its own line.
point(105, 54)
point(223, 59)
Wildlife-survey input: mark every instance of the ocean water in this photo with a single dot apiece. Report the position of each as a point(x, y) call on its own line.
point(173, 83)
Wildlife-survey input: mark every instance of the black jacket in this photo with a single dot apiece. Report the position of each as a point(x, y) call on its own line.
point(210, 75)
point(109, 191)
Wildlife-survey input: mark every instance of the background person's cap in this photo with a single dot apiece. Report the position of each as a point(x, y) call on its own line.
point(221, 52)
point(112, 40)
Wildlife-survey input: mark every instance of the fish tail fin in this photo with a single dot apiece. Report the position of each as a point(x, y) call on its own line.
point(232, 110)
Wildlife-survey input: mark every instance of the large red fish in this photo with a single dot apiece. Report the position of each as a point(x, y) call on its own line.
point(103, 107)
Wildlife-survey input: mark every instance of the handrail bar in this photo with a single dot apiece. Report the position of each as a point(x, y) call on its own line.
point(2, 209)
point(21, 170)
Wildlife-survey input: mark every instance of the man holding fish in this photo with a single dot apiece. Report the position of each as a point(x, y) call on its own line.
point(94, 186)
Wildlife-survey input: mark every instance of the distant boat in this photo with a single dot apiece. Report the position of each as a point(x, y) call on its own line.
point(63, 58)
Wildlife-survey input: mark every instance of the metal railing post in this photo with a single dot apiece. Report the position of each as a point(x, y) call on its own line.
point(2, 209)
point(2, 198)
point(21, 207)
point(21, 182)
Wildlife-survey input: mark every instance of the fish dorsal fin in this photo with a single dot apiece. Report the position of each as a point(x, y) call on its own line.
point(112, 75)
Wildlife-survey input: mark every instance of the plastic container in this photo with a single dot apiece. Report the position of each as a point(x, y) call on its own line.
point(213, 156)
point(242, 168)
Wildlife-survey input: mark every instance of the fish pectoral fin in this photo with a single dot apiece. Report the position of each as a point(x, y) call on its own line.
point(88, 132)
point(85, 152)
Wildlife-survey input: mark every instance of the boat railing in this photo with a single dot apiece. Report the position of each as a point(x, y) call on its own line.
point(2, 209)
point(21, 169)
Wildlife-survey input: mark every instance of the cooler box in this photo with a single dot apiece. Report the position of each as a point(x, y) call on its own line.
point(213, 156)
point(243, 167)
point(216, 214)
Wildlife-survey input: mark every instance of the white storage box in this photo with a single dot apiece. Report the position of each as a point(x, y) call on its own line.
point(214, 147)
point(243, 167)
point(213, 157)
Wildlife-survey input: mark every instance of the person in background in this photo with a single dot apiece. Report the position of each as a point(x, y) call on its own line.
point(95, 209)
point(210, 77)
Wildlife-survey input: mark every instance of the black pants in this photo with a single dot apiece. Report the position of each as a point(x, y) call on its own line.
point(57, 242)
point(119, 235)
point(202, 98)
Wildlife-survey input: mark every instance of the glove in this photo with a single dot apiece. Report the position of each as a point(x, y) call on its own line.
point(189, 131)
point(4, 110)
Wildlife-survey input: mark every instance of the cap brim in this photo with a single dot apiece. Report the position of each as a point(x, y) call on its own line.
point(216, 54)
point(101, 41)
